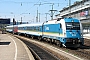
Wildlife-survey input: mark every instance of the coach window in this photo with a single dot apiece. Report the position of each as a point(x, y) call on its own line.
point(34, 28)
point(30, 28)
point(23, 28)
point(20, 28)
point(38, 28)
point(27, 28)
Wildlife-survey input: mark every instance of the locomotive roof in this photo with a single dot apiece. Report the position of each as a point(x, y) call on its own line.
point(53, 21)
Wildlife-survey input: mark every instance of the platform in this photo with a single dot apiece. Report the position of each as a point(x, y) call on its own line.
point(87, 36)
point(11, 48)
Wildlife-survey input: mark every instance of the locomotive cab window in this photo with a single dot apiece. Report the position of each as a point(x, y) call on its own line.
point(72, 25)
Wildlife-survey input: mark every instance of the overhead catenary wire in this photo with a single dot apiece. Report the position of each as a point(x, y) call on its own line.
point(4, 1)
point(28, 10)
point(21, 3)
point(30, 7)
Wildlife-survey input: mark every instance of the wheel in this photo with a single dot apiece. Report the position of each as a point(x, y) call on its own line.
point(59, 43)
point(25, 35)
point(32, 37)
point(39, 38)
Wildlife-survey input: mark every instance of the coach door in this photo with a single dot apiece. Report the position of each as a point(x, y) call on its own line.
point(60, 29)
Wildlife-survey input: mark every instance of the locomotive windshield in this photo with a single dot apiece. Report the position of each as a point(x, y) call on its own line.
point(72, 25)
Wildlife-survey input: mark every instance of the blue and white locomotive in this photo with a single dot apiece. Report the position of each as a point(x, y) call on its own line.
point(65, 32)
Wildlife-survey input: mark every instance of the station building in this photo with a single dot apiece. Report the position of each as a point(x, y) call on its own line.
point(79, 10)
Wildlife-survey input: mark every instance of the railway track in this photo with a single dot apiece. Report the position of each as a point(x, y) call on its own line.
point(51, 49)
point(38, 52)
point(83, 52)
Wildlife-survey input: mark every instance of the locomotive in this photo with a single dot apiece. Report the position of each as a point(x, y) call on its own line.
point(65, 32)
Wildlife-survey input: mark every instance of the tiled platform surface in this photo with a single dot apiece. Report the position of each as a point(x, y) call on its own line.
point(11, 48)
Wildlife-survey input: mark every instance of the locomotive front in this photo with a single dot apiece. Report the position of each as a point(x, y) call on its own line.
point(74, 37)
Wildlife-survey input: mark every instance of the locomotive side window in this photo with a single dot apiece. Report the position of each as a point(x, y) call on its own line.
point(72, 25)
